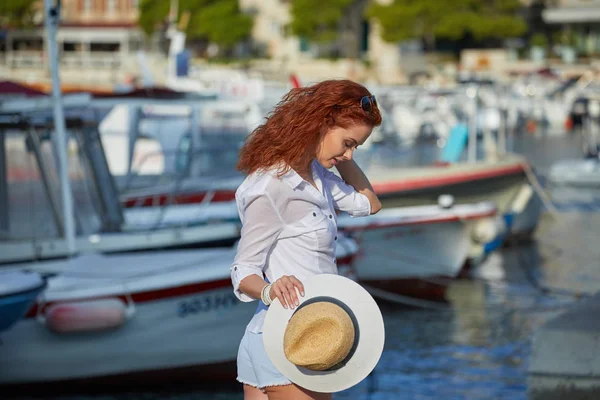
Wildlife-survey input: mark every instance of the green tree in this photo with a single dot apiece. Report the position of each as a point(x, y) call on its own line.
point(331, 21)
point(17, 13)
point(152, 14)
point(409, 19)
point(317, 20)
point(217, 21)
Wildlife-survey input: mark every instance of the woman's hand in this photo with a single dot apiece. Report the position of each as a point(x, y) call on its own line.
point(284, 289)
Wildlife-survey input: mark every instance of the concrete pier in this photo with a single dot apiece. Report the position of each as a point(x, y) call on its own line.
point(565, 361)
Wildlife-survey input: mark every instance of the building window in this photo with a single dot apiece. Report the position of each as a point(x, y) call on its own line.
point(135, 4)
point(87, 5)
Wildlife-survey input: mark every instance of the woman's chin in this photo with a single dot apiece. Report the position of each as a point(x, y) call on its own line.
point(328, 164)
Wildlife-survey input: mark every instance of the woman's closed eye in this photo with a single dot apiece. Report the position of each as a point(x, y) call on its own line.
point(350, 145)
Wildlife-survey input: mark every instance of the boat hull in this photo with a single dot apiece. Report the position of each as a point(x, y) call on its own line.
point(404, 267)
point(181, 315)
point(18, 291)
point(14, 307)
point(499, 189)
point(500, 185)
point(195, 329)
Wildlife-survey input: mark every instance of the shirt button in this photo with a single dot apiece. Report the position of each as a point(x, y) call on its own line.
point(235, 268)
point(335, 238)
point(314, 214)
point(330, 216)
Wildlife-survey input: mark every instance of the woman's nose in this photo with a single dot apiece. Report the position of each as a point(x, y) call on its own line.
point(348, 154)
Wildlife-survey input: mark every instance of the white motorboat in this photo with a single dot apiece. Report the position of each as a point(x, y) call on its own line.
point(396, 244)
point(125, 317)
point(417, 251)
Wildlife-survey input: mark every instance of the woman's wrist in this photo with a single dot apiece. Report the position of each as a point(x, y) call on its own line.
point(265, 295)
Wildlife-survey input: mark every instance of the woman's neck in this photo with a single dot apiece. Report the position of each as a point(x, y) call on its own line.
point(306, 172)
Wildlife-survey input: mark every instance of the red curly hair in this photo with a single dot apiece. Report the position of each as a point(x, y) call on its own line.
point(293, 131)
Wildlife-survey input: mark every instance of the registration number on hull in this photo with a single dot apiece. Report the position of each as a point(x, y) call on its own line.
point(213, 302)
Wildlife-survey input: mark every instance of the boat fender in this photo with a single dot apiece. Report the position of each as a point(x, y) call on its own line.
point(86, 315)
point(446, 201)
point(487, 229)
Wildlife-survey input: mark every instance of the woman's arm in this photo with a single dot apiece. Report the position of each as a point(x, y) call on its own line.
point(354, 176)
point(261, 226)
point(260, 229)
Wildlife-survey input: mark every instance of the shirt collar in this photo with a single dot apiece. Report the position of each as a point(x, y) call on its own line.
point(292, 178)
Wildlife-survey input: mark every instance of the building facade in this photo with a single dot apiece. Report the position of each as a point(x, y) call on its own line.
point(93, 34)
point(581, 20)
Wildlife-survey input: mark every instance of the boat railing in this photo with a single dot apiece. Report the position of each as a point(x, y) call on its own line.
point(201, 173)
point(168, 172)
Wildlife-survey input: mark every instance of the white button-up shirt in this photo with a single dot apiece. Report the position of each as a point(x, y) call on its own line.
point(289, 227)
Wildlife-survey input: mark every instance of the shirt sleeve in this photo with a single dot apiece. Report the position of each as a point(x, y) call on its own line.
point(345, 197)
point(261, 226)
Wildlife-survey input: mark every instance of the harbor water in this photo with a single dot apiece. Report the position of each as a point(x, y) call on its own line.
point(478, 345)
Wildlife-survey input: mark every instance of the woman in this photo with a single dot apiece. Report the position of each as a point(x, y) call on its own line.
point(287, 207)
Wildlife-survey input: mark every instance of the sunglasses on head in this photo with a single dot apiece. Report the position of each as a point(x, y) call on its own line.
point(367, 103)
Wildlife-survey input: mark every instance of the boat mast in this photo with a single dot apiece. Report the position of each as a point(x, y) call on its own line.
point(51, 20)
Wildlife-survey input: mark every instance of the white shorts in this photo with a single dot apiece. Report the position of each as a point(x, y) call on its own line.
point(254, 366)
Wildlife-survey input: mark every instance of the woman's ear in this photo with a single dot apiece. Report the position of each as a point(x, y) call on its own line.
point(329, 120)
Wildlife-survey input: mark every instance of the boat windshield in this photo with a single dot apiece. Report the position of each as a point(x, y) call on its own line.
point(30, 206)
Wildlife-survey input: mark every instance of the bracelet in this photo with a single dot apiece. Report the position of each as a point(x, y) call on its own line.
point(265, 295)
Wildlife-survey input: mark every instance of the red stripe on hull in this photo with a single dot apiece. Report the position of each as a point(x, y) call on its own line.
point(160, 294)
point(424, 221)
point(429, 182)
point(403, 185)
point(187, 198)
point(152, 295)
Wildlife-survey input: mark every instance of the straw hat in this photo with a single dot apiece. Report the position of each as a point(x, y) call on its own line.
point(332, 341)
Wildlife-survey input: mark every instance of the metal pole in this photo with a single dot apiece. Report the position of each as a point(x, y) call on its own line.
point(472, 149)
point(133, 133)
point(502, 132)
point(4, 202)
point(51, 20)
point(503, 109)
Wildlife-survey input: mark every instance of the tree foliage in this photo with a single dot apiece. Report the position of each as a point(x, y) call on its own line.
point(17, 13)
point(409, 19)
point(217, 21)
point(317, 20)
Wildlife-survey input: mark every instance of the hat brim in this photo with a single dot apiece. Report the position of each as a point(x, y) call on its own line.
point(370, 343)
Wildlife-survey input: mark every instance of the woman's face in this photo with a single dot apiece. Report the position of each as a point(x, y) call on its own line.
point(339, 143)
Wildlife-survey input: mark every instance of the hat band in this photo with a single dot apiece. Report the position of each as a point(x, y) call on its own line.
point(348, 311)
